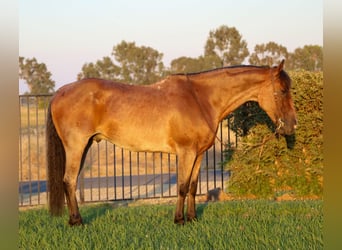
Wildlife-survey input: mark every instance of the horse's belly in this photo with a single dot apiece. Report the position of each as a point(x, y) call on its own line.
point(138, 139)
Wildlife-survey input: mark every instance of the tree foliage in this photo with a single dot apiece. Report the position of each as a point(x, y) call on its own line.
point(310, 58)
point(268, 54)
point(266, 165)
point(36, 75)
point(131, 64)
point(185, 64)
point(188, 64)
point(226, 44)
point(139, 65)
point(105, 69)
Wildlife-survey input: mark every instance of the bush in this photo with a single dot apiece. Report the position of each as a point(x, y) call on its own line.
point(264, 165)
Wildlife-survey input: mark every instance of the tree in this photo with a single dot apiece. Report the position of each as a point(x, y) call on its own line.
point(185, 65)
point(310, 58)
point(227, 45)
point(105, 69)
point(36, 75)
point(139, 65)
point(89, 70)
point(188, 64)
point(131, 64)
point(268, 54)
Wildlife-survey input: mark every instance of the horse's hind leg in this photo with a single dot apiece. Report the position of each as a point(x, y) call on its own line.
point(72, 168)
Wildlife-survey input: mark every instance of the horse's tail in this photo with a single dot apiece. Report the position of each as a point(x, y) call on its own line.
point(56, 167)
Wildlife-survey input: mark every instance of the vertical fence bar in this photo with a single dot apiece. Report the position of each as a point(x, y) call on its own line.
point(161, 176)
point(199, 188)
point(114, 165)
point(29, 149)
point(138, 169)
point(146, 189)
point(98, 171)
point(122, 174)
point(130, 175)
point(207, 167)
point(37, 147)
point(154, 173)
point(177, 174)
point(81, 186)
point(107, 186)
point(46, 102)
point(91, 173)
point(169, 168)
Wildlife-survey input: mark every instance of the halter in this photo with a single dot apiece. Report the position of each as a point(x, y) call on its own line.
point(275, 94)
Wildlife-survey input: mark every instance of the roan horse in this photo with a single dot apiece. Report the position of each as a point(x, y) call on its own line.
point(178, 115)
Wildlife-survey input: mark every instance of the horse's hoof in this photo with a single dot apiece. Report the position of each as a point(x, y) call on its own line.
point(179, 221)
point(75, 220)
point(191, 218)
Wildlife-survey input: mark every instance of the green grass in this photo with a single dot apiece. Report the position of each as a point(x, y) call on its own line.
point(226, 225)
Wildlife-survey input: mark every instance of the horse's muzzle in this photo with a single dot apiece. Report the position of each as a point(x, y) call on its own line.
point(285, 127)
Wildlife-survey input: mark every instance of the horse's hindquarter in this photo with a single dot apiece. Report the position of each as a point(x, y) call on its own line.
point(140, 118)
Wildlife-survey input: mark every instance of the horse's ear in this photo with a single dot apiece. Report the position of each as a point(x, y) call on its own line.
point(281, 65)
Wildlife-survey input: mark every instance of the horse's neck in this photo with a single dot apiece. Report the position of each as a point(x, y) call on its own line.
point(222, 95)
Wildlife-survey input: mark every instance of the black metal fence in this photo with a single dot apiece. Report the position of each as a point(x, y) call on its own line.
point(110, 172)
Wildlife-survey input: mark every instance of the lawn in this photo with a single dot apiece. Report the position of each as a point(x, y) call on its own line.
point(248, 224)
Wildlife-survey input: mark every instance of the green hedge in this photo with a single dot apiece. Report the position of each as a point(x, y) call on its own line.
point(265, 165)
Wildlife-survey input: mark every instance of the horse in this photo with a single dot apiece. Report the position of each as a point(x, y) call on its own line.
point(179, 115)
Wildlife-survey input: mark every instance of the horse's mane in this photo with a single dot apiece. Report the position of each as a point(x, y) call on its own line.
point(285, 79)
point(222, 68)
point(283, 76)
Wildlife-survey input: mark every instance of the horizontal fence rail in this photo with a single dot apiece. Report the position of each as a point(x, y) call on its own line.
point(110, 172)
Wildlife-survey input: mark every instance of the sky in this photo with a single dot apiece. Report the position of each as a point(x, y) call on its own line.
point(66, 34)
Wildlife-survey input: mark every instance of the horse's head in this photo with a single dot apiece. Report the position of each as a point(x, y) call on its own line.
point(275, 98)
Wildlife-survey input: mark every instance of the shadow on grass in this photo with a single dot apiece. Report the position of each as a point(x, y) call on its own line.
point(200, 210)
point(90, 213)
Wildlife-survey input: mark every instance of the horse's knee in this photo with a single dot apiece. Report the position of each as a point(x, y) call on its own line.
point(69, 184)
point(193, 188)
point(183, 190)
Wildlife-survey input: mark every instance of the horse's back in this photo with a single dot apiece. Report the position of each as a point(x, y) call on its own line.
point(136, 117)
point(88, 87)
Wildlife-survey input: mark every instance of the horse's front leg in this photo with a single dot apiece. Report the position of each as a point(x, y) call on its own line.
point(179, 215)
point(191, 210)
point(185, 164)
